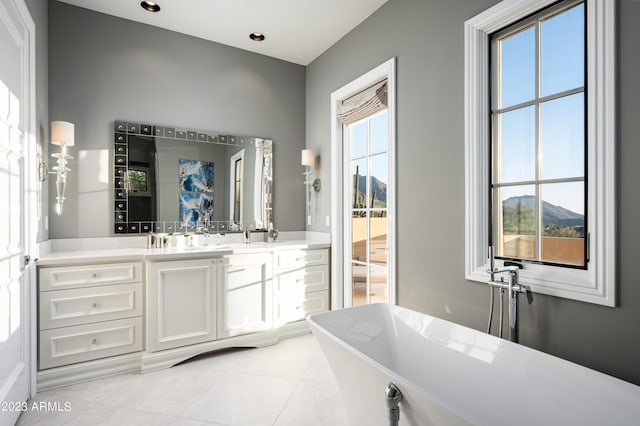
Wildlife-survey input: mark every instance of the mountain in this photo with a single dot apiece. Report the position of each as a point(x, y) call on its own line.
point(551, 214)
point(377, 186)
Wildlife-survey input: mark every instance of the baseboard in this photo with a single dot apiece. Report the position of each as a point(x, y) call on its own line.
point(85, 371)
point(144, 362)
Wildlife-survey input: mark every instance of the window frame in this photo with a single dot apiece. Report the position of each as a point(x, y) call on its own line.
point(537, 102)
point(367, 209)
point(232, 186)
point(386, 70)
point(596, 283)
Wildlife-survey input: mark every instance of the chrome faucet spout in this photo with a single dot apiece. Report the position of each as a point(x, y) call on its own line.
point(393, 397)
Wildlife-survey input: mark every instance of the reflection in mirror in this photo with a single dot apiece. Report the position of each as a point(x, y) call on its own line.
point(174, 180)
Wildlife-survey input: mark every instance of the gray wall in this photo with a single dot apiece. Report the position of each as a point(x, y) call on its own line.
point(426, 36)
point(103, 68)
point(39, 11)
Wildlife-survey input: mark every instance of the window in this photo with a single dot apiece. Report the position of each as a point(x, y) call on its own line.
point(138, 180)
point(540, 144)
point(538, 139)
point(363, 243)
point(236, 189)
point(367, 143)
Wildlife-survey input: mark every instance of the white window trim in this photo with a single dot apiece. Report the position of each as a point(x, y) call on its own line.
point(597, 283)
point(232, 184)
point(259, 207)
point(338, 288)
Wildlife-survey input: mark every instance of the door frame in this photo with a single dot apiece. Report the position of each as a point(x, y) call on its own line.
point(20, 23)
point(340, 222)
point(232, 184)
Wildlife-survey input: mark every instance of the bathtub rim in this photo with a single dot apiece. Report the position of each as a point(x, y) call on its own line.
point(598, 377)
point(399, 380)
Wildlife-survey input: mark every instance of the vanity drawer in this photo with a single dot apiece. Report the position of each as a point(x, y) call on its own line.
point(300, 258)
point(80, 343)
point(299, 306)
point(302, 280)
point(243, 270)
point(64, 277)
point(87, 305)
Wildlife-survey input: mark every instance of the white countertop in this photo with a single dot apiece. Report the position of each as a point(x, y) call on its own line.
point(107, 250)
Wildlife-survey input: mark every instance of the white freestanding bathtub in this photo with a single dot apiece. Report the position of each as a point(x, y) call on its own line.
point(450, 374)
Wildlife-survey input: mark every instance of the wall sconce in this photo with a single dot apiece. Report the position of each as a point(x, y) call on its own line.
point(62, 134)
point(308, 159)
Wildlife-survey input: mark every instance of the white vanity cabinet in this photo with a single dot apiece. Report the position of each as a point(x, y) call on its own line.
point(88, 312)
point(301, 284)
point(151, 309)
point(181, 303)
point(245, 294)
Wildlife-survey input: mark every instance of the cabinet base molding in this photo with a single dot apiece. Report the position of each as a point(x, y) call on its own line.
point(144, 362)
point(86, 371)
point(152, 361)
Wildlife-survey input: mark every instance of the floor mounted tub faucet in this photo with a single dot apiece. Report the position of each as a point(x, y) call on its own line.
point(514, 288)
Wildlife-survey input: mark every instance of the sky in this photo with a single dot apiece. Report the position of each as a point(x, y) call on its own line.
point(561, 120)
point(377, 149)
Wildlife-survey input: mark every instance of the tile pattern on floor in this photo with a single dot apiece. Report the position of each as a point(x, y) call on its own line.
point(288, 384)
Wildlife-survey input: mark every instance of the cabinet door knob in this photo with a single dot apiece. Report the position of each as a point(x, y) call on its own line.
point(94, 341)
point(94, 275)
point(94, 305)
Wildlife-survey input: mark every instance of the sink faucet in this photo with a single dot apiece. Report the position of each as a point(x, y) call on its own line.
point(514, 288)
point(246, 234)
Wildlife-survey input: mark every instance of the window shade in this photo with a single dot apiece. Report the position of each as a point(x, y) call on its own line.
point(364, 104)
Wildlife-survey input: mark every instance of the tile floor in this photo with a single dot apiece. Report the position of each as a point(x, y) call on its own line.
point(285, 384)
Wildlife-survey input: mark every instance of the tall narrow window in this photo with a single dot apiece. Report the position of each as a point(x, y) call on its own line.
point(538, 149)
point(236, 188)
point(363, 242)
point(237, 191)
point(540, 132)
point(369, 170)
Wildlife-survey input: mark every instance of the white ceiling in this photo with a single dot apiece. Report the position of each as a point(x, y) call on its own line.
point(296, 30)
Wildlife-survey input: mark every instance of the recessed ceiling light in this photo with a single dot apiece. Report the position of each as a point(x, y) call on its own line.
point(150, 6)
point(256, 36)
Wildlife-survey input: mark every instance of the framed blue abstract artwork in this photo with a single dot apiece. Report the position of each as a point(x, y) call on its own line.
point(196, 176)
point(196, 192)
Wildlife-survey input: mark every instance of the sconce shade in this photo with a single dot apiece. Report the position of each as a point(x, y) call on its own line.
point(307, 158)
point(62, 133)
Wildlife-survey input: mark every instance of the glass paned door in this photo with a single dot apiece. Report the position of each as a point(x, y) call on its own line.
point(367, 145)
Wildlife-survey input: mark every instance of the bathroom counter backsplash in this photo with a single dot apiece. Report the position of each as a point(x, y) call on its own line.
point(132, 249)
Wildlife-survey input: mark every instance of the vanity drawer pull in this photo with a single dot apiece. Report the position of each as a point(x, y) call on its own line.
point(94, 275)
point(94, 341)
point(94, 305)
point(299, 307)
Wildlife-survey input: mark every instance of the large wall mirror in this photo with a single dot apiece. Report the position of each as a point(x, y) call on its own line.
point(168, 179)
